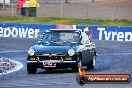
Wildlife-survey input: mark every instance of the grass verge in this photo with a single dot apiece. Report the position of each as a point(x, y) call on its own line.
point(68, 21)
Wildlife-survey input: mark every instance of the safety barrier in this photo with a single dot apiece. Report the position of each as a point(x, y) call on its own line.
point(24, 30)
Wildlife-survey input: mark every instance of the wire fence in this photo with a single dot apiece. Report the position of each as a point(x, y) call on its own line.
point(60, 8)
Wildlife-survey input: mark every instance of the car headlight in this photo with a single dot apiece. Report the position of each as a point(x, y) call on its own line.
point(71, 52)
point(31, 52)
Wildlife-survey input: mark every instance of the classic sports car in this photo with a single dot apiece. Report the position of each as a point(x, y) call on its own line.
point(61, 49)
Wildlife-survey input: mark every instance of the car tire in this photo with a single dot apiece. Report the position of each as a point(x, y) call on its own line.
point(91, 64)
point(31, 68)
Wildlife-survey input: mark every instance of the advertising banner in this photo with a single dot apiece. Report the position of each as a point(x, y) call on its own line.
point(118, 33)
point(23, 30)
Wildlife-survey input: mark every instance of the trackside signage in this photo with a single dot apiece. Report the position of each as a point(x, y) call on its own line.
point(23, 30)
point(19, 30)
point(114, 35)
point(117, 33)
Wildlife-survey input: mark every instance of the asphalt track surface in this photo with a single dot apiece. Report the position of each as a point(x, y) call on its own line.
point(113, 58)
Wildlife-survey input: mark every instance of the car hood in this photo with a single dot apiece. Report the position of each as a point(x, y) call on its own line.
point(41, 49)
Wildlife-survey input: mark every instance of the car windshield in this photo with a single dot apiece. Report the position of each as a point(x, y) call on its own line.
point(61, 37)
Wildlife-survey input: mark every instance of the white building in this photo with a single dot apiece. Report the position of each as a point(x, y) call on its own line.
point(7, 2)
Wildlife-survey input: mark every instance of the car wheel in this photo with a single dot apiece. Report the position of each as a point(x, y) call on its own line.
point(31, 68)
point(91, 64)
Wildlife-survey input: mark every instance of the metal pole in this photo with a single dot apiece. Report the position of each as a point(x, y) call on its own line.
point(3, 4)
point(87, 12)
point(94, 9)
point(114, 12)
point(66, 1)
point(62, 8)
point(12, 14)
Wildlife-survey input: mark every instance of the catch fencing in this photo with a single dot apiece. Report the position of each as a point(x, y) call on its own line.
point(75, 9)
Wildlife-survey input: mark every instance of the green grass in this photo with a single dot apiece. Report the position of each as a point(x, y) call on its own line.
point(69, 21)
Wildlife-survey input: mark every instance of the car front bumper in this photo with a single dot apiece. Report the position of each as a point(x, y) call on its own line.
point(58, 64)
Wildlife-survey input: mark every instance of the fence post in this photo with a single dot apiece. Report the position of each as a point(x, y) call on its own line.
point(12, 13)
point(87, 12)
point(3, 4)
point(66, 1)
point(62, 8)
point(114, 12)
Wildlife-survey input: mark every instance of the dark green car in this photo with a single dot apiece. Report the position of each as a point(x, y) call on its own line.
point(61, 49)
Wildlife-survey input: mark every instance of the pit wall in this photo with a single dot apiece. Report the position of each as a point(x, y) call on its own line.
point(24, 30)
